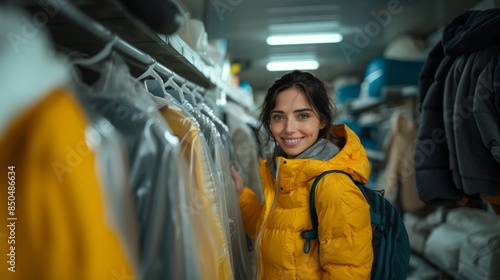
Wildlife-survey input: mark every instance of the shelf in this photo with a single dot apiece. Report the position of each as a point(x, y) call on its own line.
point(75, 26)
point(375, 155)
point(390, 94)
point(170, 51)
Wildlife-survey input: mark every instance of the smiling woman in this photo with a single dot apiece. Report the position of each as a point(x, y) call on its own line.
point(298, 116)
point(294, 124)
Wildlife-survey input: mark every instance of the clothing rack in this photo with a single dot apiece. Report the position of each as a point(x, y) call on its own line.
point(85, 25)
point(104, 34)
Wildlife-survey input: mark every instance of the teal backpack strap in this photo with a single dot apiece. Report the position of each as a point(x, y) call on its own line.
point(312, 234)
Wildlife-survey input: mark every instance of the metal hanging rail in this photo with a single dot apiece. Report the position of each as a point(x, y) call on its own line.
point(104, 34)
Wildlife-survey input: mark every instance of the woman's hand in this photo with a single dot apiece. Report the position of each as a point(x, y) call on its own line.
point(238, 181)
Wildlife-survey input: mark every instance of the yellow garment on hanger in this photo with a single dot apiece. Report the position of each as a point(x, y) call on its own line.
point(61, 230)
point(202, 209)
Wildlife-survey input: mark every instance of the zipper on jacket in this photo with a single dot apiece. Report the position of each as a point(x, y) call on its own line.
point(265, 222)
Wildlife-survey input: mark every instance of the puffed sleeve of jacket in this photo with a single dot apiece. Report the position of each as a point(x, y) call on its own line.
point(344, 229)
point(251, 207)
point(486, 106)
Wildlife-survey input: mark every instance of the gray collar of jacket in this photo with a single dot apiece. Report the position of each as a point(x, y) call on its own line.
point(321, 150)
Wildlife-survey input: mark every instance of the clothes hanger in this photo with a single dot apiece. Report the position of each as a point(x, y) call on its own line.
point(85, 69)
point(177, 93)
point(155, 85)
point(150, 72)
point(198, 96)
point(190, 95)
point(101, 55)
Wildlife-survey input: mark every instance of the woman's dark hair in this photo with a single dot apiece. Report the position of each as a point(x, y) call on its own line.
point(317, 94)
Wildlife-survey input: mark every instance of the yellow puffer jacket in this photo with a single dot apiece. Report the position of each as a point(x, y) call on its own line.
point(345, 234)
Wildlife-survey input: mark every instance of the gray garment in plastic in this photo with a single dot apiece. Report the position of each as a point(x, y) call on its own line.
point(246, 146)
point(151, 150)
point(149, 155)
point(112, 163)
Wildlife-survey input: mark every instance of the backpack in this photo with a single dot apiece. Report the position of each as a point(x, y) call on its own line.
point(391, 246)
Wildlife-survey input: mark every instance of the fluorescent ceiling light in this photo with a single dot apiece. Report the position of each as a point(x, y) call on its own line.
point(313, 27)
point(303, 9)
point(304, 39)
point(292, 65)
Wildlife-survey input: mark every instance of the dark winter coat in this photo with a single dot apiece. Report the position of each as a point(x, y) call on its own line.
point(457, 148)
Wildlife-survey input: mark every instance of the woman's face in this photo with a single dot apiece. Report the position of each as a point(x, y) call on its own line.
point(294, 124)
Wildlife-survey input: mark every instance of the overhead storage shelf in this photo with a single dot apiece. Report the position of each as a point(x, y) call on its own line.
point(110, 18)
point(170, 51)
point(389, 94)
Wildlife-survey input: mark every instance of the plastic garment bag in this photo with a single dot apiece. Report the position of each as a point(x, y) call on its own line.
point(111, 159)
point(113, 166)
point(214, 141)
point(220, 127)
point(151, 149)
point(203, 197)
point(246, 145)
point(61, 222)
point(201, 204)
point(224, 160)
point(69, 216)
